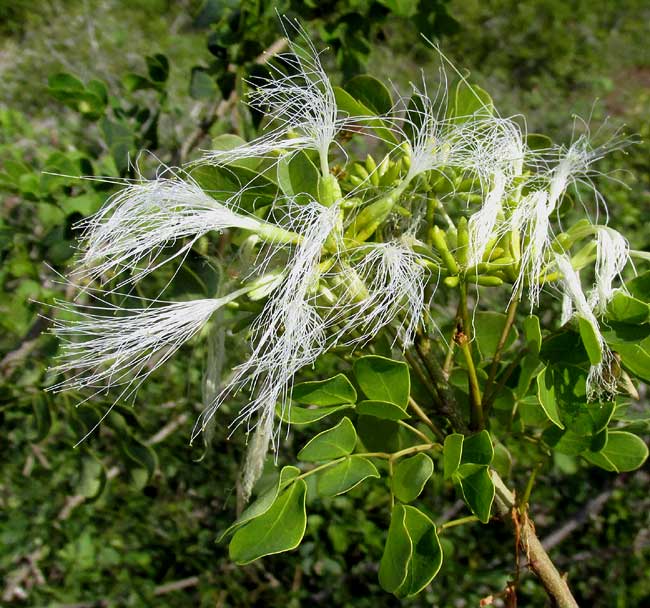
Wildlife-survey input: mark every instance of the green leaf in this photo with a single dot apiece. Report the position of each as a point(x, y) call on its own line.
point(627, 309)
point(451, 454)
point(471, 100)
point(477, 449)
point(92, 479)
point(477, 489)
point(383, 379)
point(488, 327)
point(566, 441)
point(589, 338)
point(632, 343)
point(264, 502)
point(330, 444)
point(370, 92)
point(537, 141)
point(564, 347)
point(279, 529)
point(99, 90)
point(382, 409)
point(229, 141)
point(157, 67)
point(412, 555)
point(623, 452)
point(426, 557)
point(348, 104)
point(379, 435)
point(202, 85)
point(410, 475)
point(345, 475)
point(397, 552)
point(528, 368)
point(533, 334)
point(65, 83)
point(224, 181)
point(333, 391)
point(502, 461)
point(639, 287)
point(297, 415)
point(401, 8)
point(143, 456)
point(546, 395)
point(298, 175)
point(135, 82)
point(587, 418)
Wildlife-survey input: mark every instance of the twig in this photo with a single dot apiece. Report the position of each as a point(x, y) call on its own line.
point(538, 560)
point(184, 583)
point(494, 368)
point(167, 430)
point(72, 502)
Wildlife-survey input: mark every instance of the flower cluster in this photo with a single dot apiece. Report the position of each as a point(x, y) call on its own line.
point(335, 261)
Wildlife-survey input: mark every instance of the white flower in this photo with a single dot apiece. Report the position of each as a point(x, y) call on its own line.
point(482, 224)
point(107, 346)
point(612, 255)
point(139, 221)
point(392, 283)
point(288, 334)
point(531, 217)
point(302, 107)
point(600, 380)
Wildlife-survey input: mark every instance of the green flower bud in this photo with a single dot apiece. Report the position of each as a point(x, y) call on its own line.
point(462, 241)
point(329, 190)
point(440, 243)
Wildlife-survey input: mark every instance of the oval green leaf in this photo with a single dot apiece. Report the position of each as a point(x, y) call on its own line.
point(280, 529)
point(345, 475)
point(410, 476)
point(477, 489)
point(589, 337)
point(412, 555)
point(451, 454)
point(264, 502)
point(546, 396)
point(383, 379)
point(333, 391)
point(381, 409)
point(297, 415)
point(330, 444)
point(623, 452)
point(627, 309)
point(478, 449)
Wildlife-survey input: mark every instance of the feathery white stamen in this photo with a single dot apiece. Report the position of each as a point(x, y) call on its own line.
point(289, 333)
point(302, 103)
point(138, 222)
point(612, 254)
point(481, 225)
point(532, 217)
point(392, 283)
point(600, 380)
point(105, 351)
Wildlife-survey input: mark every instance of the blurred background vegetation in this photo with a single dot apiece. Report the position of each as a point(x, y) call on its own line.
point(130, 517)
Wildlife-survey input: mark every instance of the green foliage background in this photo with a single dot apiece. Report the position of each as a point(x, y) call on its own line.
point(116, 520)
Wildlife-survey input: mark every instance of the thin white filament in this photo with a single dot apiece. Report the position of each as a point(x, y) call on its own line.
point(600, 380)
point(139, 221)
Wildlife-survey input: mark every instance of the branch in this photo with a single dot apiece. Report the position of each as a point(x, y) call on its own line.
point(184, 583)
point(538, 560)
